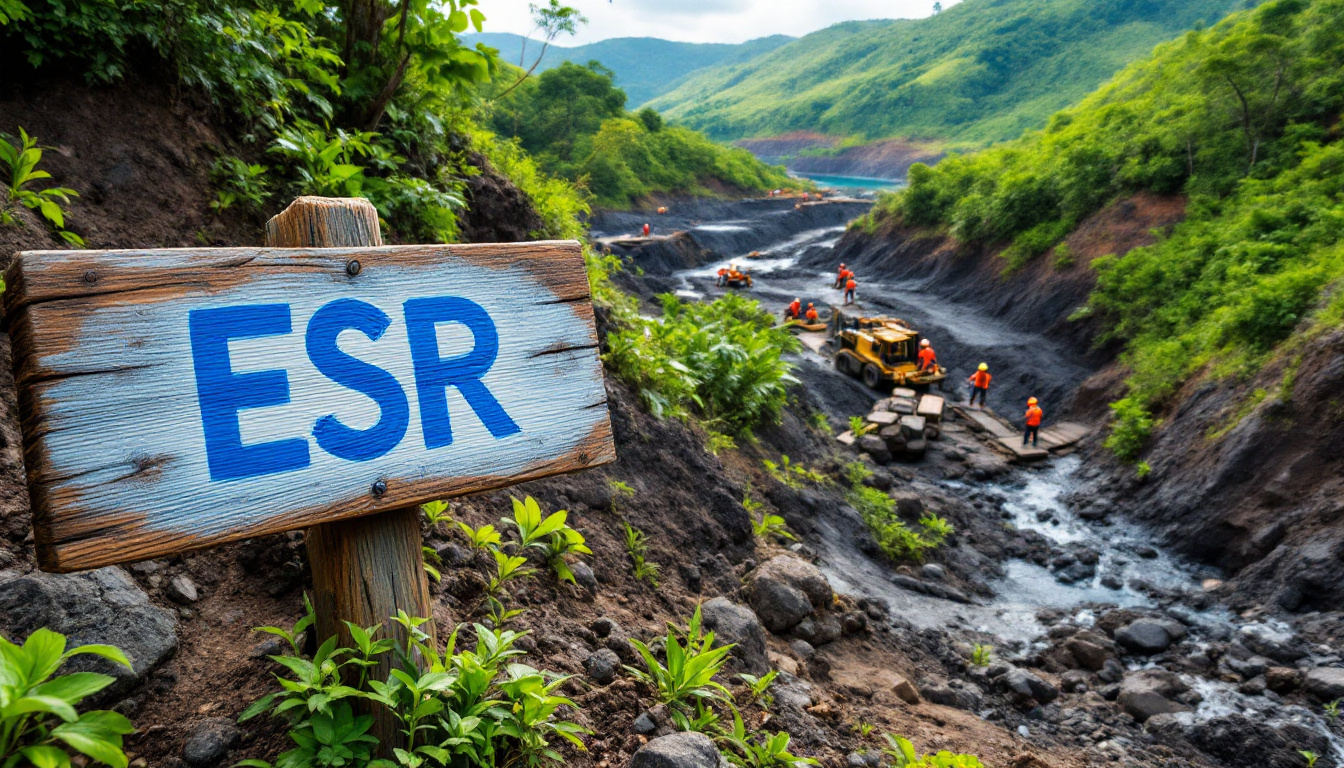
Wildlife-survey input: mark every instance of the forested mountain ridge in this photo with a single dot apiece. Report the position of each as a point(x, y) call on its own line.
point(1228, 326)
point(644, 67)
point(981, 71)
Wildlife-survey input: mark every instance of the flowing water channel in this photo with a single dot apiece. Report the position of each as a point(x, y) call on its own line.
point(1131, 567)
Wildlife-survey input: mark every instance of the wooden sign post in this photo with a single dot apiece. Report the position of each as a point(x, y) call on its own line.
point(182, 398)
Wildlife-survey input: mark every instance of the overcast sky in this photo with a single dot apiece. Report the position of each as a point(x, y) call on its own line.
point(704, 21)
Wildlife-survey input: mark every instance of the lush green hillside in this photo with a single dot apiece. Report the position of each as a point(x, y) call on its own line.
point(573, 120)
point(1245, 119)
point(981, 71)
point(645, 67)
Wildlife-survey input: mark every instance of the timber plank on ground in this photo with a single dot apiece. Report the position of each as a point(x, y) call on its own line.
point(1001, 434)
point(1063, 435)
point(1023, 452)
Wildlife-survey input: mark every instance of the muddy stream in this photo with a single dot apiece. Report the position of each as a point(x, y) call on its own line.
point(1130, 567)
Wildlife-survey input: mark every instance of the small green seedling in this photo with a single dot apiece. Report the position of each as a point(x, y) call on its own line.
point(637, 546)
point(982, 655)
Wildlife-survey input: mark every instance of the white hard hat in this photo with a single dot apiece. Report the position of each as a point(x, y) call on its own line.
point(924, 343)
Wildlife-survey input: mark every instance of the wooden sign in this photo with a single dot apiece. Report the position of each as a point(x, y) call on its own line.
point(177, 399)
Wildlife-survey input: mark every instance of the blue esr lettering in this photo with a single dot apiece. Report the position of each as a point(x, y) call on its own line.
point(222, 394)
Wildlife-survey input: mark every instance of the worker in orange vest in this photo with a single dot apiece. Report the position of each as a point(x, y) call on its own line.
point(980, 384)
point(795, 310)
point(811, 313)
point(1033, 418)
point(840, 276)
point(850, 288)
point(928, 359)
point(723, 275)
point(646, 230)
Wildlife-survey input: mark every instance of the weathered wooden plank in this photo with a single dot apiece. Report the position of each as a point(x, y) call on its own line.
point(1062, 435)
point(123, 357)
point(989, 421)
point(1023, 452)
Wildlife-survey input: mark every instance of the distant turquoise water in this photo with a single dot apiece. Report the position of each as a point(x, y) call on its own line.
point(854, 182)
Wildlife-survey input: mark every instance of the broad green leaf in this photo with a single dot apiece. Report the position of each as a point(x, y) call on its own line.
point(46, 757)
point(44, 704)
point(109, 652)
point(74, 687)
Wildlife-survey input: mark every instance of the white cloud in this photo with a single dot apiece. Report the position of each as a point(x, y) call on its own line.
point(705, 21)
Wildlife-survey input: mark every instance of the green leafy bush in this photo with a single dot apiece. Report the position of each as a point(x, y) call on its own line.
point(896, 539)
point(688, 677)
point(552, 536)
point(39, 724)
point(724, 357)
point(19, 162)
point(1130, 430)
point(760, 750)
point(771, 527)
point(903, 755)
point(238, 183)
point(477, 706)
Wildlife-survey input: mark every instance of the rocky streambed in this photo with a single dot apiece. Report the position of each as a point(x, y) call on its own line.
point(1104, 639)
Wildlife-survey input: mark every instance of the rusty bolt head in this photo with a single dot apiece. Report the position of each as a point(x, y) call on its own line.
point(379, 487)
point(90, 277)
point(352, 267)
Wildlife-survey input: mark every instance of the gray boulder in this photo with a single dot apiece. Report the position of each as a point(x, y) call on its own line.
point(688, 749)
point(1144, 636)
point(183, 590)
point(1151, 692)
point(584, 576)
point(798, 574)
point(780, 606)
point(1325, 683)
point(103, 606)
point(819, 630)
point(602, 666)
point(875, 446)
point(736, 624)
point(1025, 686)
point(209, 742)
point(1280, 645)
point(1088, 652)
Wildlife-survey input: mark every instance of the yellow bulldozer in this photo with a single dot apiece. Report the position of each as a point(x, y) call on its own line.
point(882, 351)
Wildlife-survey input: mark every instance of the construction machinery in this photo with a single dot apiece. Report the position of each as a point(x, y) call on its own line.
point(882, 351)
point(737, 278)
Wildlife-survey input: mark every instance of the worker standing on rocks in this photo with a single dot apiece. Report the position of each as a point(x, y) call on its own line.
point(840, 276)
point(811, 313)
point(980, 384)
point(850, 288)
point(928, 359)
point(1033, 418)
point(795, 310)
point(646, 230)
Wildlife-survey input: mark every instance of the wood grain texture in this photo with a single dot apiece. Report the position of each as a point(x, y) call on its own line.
point(112, 424)
point(365, 569)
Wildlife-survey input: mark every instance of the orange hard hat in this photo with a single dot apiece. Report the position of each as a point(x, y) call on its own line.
point(1031, 401)
point(809, 305)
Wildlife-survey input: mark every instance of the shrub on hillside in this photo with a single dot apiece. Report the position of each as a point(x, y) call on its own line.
point(724, 359)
